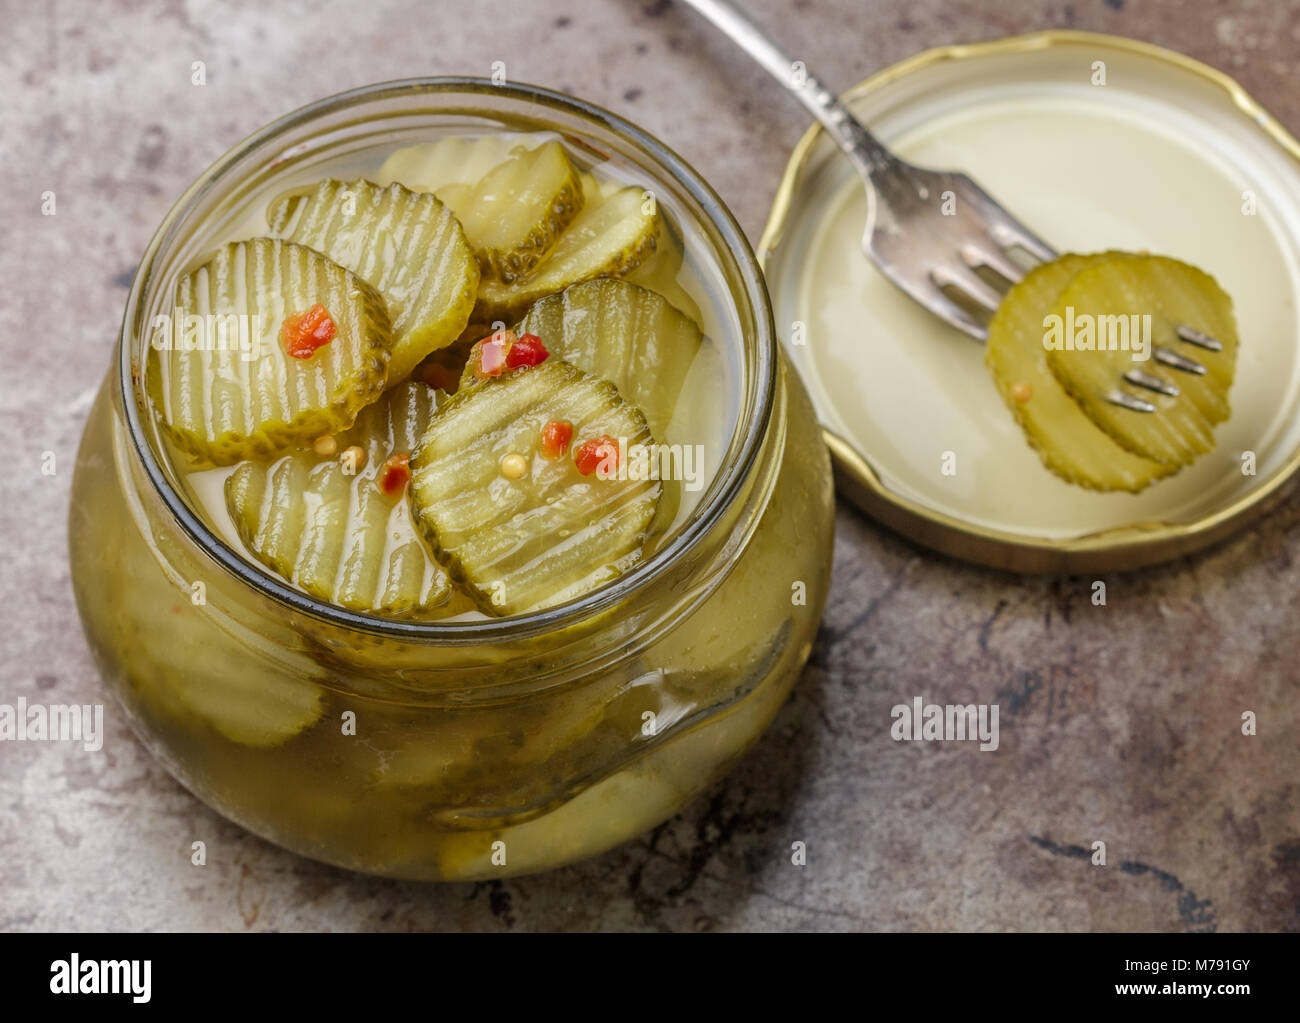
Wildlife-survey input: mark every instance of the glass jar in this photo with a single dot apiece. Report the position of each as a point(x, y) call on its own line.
point(460, 749)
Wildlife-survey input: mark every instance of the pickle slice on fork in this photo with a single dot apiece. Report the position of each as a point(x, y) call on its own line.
point(513, 216)
point(610, 239)
point(225, 384)
point(523, 522)
point(408, 245)
point(339, 525)
point(623, 333)
point(1069, 443)
point(1125, 307)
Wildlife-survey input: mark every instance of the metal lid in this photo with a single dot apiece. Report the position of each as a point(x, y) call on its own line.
point(1096, 142)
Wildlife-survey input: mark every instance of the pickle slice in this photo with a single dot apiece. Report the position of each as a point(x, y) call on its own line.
point(1117, 292)
point(610, 239)
point(342, 536)
point(514, 215)
point(518, 545)
point(407, 244)
point(1069, 443)
point(632, 337)
point(226, 389)
point(455, 160)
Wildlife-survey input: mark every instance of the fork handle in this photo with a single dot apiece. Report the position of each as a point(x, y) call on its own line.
point(867, 152)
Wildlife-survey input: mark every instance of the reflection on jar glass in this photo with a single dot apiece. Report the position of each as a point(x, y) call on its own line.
point(468, 746)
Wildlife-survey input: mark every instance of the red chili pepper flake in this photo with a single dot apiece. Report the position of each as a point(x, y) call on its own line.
point(527, 351)
point(598, 455)
point(556, 436)
point(396, 473)
point(304, 333)
point(488, 356)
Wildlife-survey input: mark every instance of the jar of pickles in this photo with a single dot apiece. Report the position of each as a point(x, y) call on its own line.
point(449, 511)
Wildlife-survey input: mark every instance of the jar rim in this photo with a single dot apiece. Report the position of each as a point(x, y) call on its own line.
point(751, 423)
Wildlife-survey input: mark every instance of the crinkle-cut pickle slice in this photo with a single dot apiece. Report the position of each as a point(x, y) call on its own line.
point(622, 333)
point(515, 214)
point(455, 160)
point(518, 545)
point(231, 391)
point(610, 239)
point(1172, 293)
point(342, 536)
point(408, 245)
point(1069, 443)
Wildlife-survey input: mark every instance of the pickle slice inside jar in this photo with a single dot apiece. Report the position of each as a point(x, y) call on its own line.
point(1070, 444)
point(608, 239)
point(341, 530)
point(514, 215)
point(455, 160)
point(226, 387)
point(628, 335)
point(519, 527)
point(1104, 305)
point(407, 244)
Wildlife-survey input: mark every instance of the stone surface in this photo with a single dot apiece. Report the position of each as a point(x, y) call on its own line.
point(1119, 724)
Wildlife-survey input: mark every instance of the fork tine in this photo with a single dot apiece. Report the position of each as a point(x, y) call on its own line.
point(1125, 400)
point(1176, 361)
point(953, 314)
point(1011, 234)
point(976, 257)
point(969, 283)
point(1196, 337)
point(1151, 383)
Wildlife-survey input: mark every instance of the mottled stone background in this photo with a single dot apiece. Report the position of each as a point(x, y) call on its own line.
point(1119, 724)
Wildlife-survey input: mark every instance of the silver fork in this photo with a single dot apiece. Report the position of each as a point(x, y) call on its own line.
point(927, 252)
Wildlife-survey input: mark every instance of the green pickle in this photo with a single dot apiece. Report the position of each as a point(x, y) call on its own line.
point(332, 528)
point(632, 337)
point(406, 244)
point(231, 390)
point(515, 214)
point(611, 238)
point(550, 534)
point(1069, 443)
point(1171, 294)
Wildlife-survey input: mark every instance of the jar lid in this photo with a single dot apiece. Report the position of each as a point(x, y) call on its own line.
point(1096, 142)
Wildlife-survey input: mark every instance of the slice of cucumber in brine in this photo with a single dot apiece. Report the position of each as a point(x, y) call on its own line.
point(407, 244)
point(1106, 304)
point(521, 527)
point(610, 239)
point(225, 385)
point(515, 214)
point(625, 334)
point(339, 529)
point(1069, 443)
point(455, 160)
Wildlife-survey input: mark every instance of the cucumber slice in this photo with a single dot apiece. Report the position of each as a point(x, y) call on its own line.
point(459, 159)
point(1171, 293)
point(518, 545)
point(1069, 443)
point(223, 399)
point(625, 334)
point(343, 537)
point(514, 215)
point(610, 239)
point(407, 244)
